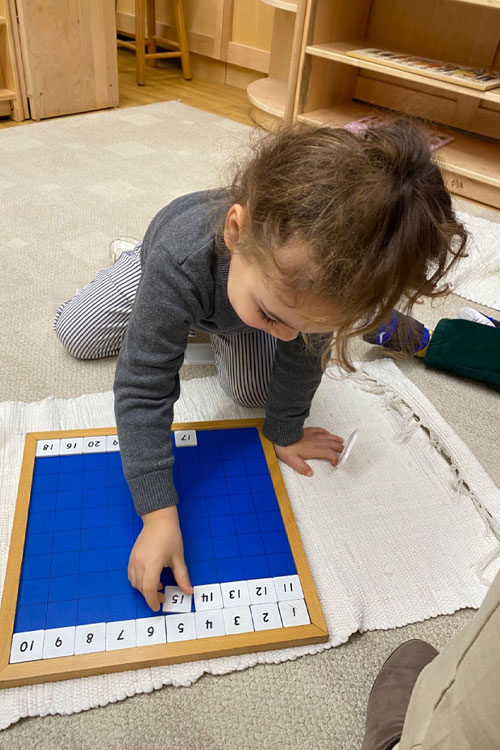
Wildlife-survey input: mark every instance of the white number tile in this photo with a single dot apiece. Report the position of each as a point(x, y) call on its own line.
point(180, 627)
point(71, 446)
point(185, 438)
point(288, 587)
point(112, 443)
point(235, 594)
point(94, 444)
point(294, 612)
point(27, 646)
point(209, 623)
point(266, 616)
point(176, 600)
point(262, 590)
point(237, 620)
point(120, 634)
point(151, 630)
point(207, 597)
point(59, 642)
point(47, 447)
point(90, 638)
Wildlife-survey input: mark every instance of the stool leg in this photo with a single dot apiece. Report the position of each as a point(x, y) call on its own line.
point(183, 42)
point(151, 16)
point(140, 42)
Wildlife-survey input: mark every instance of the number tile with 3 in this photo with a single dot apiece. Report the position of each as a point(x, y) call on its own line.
point(235, 593)
point(237, 620)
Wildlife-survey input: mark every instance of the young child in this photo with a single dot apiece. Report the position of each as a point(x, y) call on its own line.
point(322, 230)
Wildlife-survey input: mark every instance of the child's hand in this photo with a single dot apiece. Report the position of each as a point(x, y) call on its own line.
point(159, 545)
point(315, 443)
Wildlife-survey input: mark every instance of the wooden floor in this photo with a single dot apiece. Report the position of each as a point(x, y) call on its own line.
point(165, 82)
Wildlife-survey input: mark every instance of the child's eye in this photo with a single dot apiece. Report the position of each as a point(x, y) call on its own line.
point(266, 318)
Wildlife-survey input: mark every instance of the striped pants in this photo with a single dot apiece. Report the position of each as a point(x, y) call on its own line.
point(92, 324)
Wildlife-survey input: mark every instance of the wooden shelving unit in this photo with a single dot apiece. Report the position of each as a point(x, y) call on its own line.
point(334, 88)
point(13, 102)
point(273, 97)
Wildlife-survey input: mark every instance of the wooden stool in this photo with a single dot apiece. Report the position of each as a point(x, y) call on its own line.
point(146, 9)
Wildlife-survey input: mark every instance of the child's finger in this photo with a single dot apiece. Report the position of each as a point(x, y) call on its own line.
point(150, 584)
point(181, 576)
point(299, 465)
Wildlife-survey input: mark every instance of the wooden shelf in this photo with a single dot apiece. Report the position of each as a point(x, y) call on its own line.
point(337, 51)
point(269, 95)
point(6, 95)
point(484, 3)
point(3, 21)
point(471, 164)
point(290, 5)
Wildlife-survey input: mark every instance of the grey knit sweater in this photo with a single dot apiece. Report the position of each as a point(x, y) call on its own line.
point(183, 286)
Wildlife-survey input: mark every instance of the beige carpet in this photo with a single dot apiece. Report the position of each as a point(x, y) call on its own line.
point(315, 702)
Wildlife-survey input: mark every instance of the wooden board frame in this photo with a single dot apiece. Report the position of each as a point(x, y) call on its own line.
point(139, 657)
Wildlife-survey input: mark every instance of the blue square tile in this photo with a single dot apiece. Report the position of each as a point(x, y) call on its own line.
point(119, 495)
point(193, 528)
point(30, 618)
point(121, 536)
point(192, 507)
point(212, 470)
point(242, 503)
point(95, 461)
point(120, 515)
point(261, 483)
point(70, 481)
point(47, 465)
point(234, 468)
point(42, 501)
point(62, 614)
point(225, 546)
point(229, 569)
point(250, 544)
point(276, 542)
point(232, 452)
point(214, 487)
point(206, 437)
point(93, 560)
point(94, 517)
point(118, 582)
point(93, 479)
point(121, 607)
point(191, 487)
point(256, 467)
point(270, 520)
point(94, 538)
point(70, 464)
point(203, 572)
point(65, 563)
point(97, 497)
point(221, 525)
point(69, 499)
point(91, 585)
point(255, 566)
point(63, 587)
point(246, 523)
point(187, 454)
point(33, 592)
point(228, 436)
point(37, 566)
point(66, 520)
point(114, 460)
point(92, 610)
point(118, 558)
point(237, 485)
point(66, 541)
point(210, 453)
point(115, 478)
point(44, 482)
point(38, 544)
point(198, 549)
point(143, 609)
point(218, 505)
point(281, 564)
point(38, 523)
point(265, 501)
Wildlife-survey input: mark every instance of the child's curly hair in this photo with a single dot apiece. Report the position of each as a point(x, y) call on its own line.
point(371, 209)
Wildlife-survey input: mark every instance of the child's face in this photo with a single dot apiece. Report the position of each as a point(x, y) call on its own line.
point(258, 305)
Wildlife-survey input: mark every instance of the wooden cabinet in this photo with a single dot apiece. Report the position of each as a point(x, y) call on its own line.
point(13, 101)
point(331, 87)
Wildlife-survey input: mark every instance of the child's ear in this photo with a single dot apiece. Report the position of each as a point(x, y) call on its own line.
point(234, 226)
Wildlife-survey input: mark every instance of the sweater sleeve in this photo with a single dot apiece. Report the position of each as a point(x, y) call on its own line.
point(295, 378)
point(147, 379)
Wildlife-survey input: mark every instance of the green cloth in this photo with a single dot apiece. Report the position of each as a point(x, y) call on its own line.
point(466, 348)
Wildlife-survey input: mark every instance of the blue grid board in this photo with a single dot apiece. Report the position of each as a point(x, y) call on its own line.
point(82, 525)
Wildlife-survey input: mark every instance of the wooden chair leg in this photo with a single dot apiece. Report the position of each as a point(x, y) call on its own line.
point(183, 42)
point(151, 16)
point(140, 42)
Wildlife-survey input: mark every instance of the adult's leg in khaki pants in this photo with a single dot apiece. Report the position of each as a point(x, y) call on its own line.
point(455, 704)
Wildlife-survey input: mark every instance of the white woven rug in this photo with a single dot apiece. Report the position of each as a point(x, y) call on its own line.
point(75, 183)
point(398, 535)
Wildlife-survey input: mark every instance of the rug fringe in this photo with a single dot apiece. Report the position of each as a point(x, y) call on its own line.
point(411, 423)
